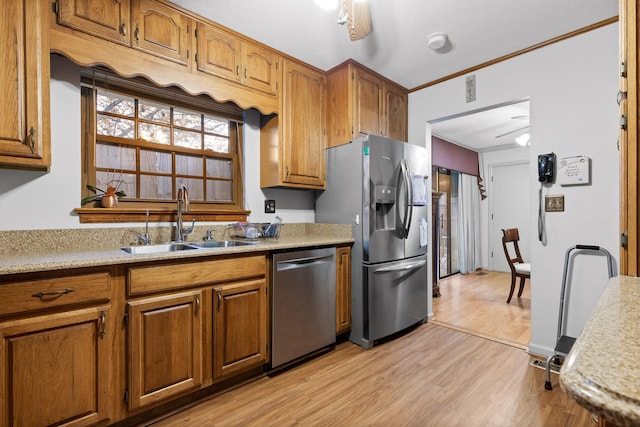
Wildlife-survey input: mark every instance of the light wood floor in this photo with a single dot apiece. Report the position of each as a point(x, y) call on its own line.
point(432, 376)
point(477, 303)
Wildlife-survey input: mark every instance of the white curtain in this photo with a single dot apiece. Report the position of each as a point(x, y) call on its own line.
point(468, 223)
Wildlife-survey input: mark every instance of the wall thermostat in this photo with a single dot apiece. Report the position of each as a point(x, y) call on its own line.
point(575, 170)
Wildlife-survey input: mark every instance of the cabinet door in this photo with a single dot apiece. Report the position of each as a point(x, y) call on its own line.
point(219, 53)
point(343, 289)
point(24, 53)
point(165, 342)
point(303, 133)
point(260, 68)
point(240, 327)
point(368, 104)
point(160, 30)
point(55, 369)
point(396, 114)
point(108, 19)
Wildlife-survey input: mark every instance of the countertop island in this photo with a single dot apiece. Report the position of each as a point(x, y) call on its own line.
point(602, 370)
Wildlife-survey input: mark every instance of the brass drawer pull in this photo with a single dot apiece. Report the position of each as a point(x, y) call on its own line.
point(42, 295)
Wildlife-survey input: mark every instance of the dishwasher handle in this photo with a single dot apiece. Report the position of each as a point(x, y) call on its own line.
point(403, 267)
point(302, 262)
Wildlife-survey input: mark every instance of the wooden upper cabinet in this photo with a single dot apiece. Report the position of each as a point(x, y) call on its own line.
point(109, 19)
point(260, 68)
point(24, 52)
point(222, 54)
point(368, 101)
point(361, 102)
point(160, 30)
point(293, 143)
point(218, 52)
point(396, 112)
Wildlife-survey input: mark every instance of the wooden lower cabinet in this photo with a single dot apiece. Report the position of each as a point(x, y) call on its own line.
point(165, 347)
point(56, 369)
point(240, 327)
point(343, 289)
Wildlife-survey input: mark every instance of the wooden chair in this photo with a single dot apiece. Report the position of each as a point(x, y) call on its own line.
point(518, 267)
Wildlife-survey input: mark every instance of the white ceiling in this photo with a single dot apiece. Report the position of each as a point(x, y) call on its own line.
point(478, 30)
point(485, 130)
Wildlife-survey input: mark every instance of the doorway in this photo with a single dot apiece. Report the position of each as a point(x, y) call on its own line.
point(509, 208)
point(491, 132)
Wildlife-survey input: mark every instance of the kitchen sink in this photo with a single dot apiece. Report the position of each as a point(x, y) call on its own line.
point(156, 249)
point(221, 243)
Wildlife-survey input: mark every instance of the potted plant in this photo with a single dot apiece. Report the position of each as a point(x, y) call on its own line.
point(108, 197)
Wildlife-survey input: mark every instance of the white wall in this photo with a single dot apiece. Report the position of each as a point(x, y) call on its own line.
point(35, 200)
point(572, 86)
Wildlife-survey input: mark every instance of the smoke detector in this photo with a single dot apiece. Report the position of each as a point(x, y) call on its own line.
point(436, 40)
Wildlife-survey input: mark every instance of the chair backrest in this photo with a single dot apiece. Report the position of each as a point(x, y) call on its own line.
point(511, 236)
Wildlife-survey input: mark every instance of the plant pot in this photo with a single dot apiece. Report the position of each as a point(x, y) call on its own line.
point(109, 201)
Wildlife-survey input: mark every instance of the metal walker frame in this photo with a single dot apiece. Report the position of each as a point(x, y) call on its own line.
point(564, 342)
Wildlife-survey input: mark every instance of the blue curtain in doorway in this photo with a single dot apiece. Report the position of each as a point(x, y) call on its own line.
point(468, 223)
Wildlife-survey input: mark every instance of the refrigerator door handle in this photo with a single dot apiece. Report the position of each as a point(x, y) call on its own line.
point(403, 267)
point(403, 175)
point(409, 183)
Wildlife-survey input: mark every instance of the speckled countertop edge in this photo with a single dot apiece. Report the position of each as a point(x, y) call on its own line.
point(602, 370)
point(46, 250)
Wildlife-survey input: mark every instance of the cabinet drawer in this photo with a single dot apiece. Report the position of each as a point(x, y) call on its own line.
point(154, 278)
point(40, 294)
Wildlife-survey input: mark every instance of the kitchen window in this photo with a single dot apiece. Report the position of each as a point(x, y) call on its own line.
point(149, 141)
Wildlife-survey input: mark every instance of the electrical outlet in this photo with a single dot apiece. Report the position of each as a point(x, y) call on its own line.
point(269, 206)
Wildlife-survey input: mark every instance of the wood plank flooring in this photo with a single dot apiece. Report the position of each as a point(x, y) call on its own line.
point(431, 376)
point(476, 303)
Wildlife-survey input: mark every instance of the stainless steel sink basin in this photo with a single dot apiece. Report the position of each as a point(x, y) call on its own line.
point(221, 243)
point(156, 249)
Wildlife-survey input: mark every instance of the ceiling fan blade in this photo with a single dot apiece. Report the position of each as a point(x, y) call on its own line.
point(512, 131)
point(357, 17)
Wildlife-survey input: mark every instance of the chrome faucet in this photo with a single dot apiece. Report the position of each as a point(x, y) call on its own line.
point(146, 239)
point(183, 207)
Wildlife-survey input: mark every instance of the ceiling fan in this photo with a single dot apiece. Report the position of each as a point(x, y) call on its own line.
point(355, 13)
point(518, 129)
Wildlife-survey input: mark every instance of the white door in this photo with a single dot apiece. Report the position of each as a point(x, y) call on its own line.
point(509, 208)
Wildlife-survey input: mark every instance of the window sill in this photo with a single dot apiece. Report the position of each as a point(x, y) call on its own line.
point(123, 214)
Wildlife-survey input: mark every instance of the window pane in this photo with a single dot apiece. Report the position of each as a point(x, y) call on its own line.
point(216, 143)
point(154, 133)
point(194, 187)
point(215, 125)
point(155, 161)
point(187, 119)
point(127, 184)
point(220, 191)
point(188, 165)
point(155, 187)
point(185, 138)
point(115, 103)
point(154, 112)
point(115, 126)
point(116, 157)
point(219, 168)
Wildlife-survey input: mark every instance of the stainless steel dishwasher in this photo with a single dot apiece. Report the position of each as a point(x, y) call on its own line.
point(303, 303)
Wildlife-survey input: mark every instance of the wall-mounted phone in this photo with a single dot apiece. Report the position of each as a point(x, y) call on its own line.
point(546, 168)
point(574, 170)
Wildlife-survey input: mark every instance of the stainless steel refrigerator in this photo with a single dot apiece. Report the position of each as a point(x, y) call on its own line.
point(379, 185)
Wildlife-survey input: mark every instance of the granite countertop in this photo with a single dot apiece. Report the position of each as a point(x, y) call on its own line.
point(55, 250)
point(602, 370)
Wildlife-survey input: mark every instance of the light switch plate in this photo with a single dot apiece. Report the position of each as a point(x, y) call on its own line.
point(470, 87)
point(554, 203)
